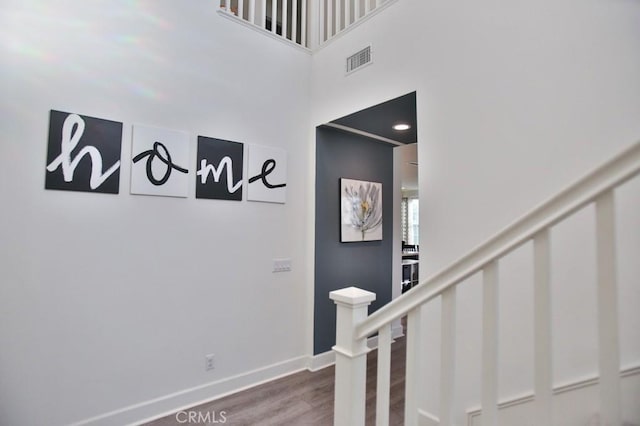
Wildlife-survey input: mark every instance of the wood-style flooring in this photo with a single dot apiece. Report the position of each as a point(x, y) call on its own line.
point(301, 399)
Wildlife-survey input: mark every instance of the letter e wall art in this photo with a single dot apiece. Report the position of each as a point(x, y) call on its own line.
point(267, 171)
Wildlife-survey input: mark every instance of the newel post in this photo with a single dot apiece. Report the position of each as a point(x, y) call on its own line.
point(351, 356)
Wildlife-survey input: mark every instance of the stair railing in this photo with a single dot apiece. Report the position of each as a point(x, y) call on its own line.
point(354, 327)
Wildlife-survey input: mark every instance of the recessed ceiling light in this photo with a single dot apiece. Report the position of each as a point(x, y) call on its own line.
point(401, 126)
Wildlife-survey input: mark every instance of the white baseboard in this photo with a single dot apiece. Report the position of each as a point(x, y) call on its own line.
point(320, 361)
point(427, 419)
point(163, 406)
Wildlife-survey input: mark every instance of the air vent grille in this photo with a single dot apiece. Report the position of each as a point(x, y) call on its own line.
point(359, 59)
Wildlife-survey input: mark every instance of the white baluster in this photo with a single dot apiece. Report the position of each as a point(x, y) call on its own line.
point(608, 344)
point(285, 18)
point(490, 345)
point(314, 26)
point(252, 11)
point(543, 385)
point(329, 19)
point(413, 366)
point(384, 376)
point(241, 9)
point(264, 14)
point(447, 356)
point(356, 11)
point(294, 21)
point(347, 13)
point(274, 16)
point(351, 356)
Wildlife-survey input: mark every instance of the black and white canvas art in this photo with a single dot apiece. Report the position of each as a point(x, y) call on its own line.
point(83, 153)
point(267, 170)
point(361, 210)
point(159, 161)
point(219, 169)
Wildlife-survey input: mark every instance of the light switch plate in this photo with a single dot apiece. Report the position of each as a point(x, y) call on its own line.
point(281, 265)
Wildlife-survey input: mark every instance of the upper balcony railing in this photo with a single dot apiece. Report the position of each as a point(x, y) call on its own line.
point(306, 23)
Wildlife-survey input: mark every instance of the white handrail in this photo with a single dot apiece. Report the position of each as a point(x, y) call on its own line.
point(613, 173)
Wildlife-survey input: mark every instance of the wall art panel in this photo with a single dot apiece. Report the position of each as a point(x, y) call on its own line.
point(83, 153)
point(219, 169)
point(267, 168)
point(159, 161)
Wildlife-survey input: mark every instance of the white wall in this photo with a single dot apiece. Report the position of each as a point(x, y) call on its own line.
point(515, 101)
point(112, 300)
point(98, 311)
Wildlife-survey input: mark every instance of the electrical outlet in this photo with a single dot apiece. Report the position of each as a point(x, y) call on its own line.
point(209, 362)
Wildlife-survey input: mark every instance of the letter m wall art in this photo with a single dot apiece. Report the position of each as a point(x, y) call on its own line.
point(219, 169)
point(83, 153)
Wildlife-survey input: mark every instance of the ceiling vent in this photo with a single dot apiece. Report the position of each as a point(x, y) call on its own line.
point(359, 59)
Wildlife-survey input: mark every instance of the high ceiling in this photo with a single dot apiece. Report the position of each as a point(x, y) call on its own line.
point(380, 119)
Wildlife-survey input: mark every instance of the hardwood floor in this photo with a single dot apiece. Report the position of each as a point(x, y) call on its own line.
point(300, 399)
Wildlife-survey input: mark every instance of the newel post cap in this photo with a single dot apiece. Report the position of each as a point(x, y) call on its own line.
point(352, 296)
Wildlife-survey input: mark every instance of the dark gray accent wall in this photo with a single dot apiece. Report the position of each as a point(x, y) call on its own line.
point(367, 265)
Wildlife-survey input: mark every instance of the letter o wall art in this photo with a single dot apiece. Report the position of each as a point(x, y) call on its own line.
point(84, 154)
point(159, 163)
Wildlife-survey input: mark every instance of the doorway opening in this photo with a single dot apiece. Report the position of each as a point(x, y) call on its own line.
point(365, 147)
point(395, 122)
point(409, 215)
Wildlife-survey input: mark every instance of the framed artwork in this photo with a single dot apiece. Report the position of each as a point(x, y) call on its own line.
point(361, 210)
